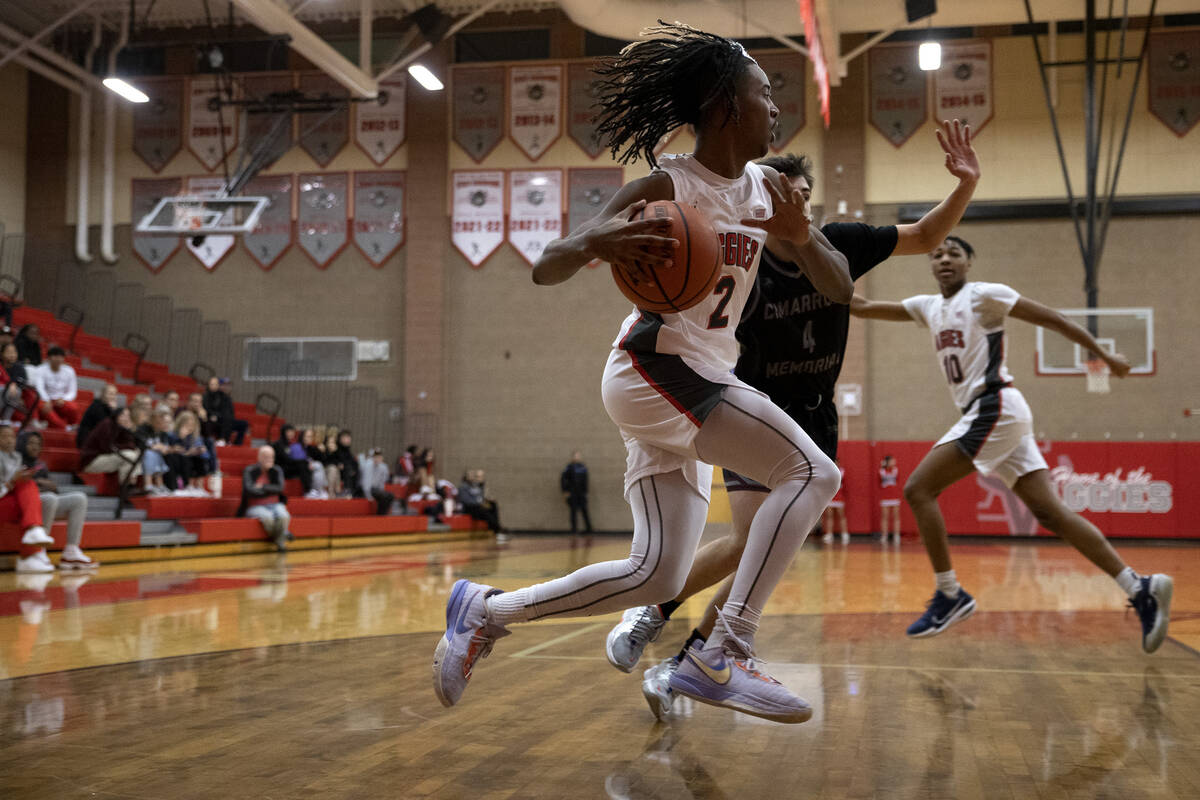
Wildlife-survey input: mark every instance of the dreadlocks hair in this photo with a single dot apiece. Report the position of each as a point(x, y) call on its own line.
point(791, 165)
point(970, 251)
point(669, 78)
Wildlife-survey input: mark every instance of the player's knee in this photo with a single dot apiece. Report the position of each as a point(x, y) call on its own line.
point(825, 478)
point(664, 584)
point(916, 492)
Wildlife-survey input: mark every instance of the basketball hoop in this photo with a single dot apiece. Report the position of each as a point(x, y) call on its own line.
point(1097, 377)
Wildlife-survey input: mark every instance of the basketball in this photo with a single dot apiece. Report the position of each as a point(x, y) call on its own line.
point(696, 267)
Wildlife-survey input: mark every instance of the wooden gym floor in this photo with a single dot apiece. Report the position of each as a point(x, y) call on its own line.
point(308, 676)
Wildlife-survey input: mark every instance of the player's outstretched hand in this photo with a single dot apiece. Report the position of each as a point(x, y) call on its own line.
point(634, 246)
point(1117, 364)
point(790, 222)
point(955, 140)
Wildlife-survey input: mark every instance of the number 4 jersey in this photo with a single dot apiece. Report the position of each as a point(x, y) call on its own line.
point(968, 336)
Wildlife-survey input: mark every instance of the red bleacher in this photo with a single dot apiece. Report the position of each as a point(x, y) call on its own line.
point(211, 519)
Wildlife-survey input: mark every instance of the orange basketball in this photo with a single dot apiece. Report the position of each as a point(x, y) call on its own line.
point(696, 267)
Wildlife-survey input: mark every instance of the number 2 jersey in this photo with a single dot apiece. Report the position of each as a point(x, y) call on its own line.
point(703, 335)
point(968, 336)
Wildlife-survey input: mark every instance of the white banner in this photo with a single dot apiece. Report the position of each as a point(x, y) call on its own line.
point(963, 87)
point(379, 124)
point(208, 250)
point(208, 129)
point(534, 210)
point(535, 107)
point(478, 215)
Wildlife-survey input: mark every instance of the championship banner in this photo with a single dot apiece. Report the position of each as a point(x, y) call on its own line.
point(271, 239)
point(378, 214)
point(588, 190)
point(581, 109)
point(963, 84)
point(260, 124)
point(158, 125)
point(152, 250)
point(1174, 73)
point(786, 73)
point(534, 210)
point(898, 94)
point(379, 124)
point(212, 135)
point(477, 217)
point(209, 250)
point(478, 109)
point(321, 220)
point(535, 107)
point(324, 133)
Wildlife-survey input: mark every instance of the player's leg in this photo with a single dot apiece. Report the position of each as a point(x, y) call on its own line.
point(1149, 595)
point(669, 516)
point(942, 466)
point(755, 438)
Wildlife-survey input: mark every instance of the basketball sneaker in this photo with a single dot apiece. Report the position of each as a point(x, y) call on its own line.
point(941, 613)
point(728, 675)
point(656, 687)
point(629, 637)
point(468, 638)
point(1153, 606)
point(36, 534)
point(39, 562)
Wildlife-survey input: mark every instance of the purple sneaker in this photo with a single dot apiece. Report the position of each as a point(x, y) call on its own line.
point(468, 638)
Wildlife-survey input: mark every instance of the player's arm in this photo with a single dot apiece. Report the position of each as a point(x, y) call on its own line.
point(1034, 312)
point(961, 162)
point(792, 232)
point(610, 236)
point(878, 309)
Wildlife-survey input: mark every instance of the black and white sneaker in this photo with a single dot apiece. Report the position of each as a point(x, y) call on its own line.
point(941, 613)
point(1153, 606)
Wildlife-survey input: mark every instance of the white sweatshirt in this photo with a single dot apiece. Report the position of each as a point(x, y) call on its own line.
point(53, 385)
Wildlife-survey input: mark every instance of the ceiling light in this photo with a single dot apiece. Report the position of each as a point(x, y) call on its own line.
point(130, 93)
point(929, 56)
point(424, 77)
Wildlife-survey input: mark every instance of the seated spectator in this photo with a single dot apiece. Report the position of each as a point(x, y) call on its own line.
point(218, 402)
point(57, 504)
point(292, 467)
point(263, 497)
point(156, 438)
point(190, 458)
point(195, 404)
point(29, 345)
point(347, 464)
point(333, 475)
point(102, 408)
point(57, 388)
point(472, 496)
point(20, 398)
point(171, 401)
point(111, 447)
point(374, 481)
point(307, 449)
point(405, 468)
point(20, 502)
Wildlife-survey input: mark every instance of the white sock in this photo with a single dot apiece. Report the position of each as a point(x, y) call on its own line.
point(947, 583)
point(1130, 581)
point(508, 607)
point(741, 621)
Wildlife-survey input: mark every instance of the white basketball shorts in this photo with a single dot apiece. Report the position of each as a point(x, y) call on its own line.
point(996, 433)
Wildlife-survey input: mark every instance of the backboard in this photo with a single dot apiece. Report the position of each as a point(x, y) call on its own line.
point(1128, 331)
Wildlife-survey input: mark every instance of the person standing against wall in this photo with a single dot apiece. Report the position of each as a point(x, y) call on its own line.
point(574, 483)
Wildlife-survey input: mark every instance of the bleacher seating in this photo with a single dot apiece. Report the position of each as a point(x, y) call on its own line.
point(186, 521)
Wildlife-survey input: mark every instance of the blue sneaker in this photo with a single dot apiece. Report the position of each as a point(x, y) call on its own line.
point(1153, 606)
point(941, 613)
point(468, 638)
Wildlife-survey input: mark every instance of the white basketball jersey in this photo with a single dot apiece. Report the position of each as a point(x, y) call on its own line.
point(703, 334)
point(968, 336)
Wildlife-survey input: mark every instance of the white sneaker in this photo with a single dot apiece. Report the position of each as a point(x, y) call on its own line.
point(656, 687)
point(36, 535)
point(34, 563)
point(625, 642)
point(827, 539)
point(74, 558)
point(845, 538)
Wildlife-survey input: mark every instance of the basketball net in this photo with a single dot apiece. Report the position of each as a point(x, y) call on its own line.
point(1097, 377)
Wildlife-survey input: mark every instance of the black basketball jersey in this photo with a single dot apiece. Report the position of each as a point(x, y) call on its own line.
point(793, 338)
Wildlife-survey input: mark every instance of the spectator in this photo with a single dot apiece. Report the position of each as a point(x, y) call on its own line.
point(424, 466)
point(156, 436)
point(218, 406)
point(405, 466)
point(263, 497)
point(57, 388)
point(190, 458)
point(347, 464)
point(374, 481)
point(6, 334)
point(240, 427)
point(29, 345)
point(20, 399)
point(292, 467)
point(171, 400)
point(102, 408)
point(111, 447)
point(472, 496)
point(307, 449)
point(195, 404)
point(333, 475)
point(574, 484)
point(19, 502)
point(70, 505)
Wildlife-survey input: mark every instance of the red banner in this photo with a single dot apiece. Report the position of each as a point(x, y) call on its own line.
point(1127, 489)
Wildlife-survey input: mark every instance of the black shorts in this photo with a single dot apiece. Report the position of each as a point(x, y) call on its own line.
point(821, 425)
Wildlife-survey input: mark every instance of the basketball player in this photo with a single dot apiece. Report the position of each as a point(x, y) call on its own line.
point(995, 434)
point(669, 383)
point(793, 335)
point(889, 497)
